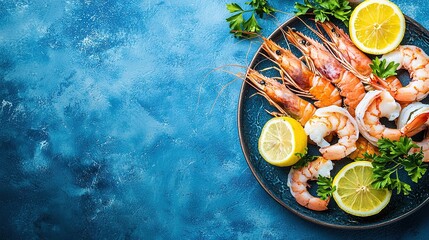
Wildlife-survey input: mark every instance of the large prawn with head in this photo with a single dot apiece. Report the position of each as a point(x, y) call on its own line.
point(411, 58)
point(299, 76)
point(278, 95)
point(351, 57)
point(351, 87)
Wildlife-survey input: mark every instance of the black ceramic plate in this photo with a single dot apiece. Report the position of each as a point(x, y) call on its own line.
point(252, 116)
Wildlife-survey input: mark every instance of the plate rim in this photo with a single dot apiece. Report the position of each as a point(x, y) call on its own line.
point(267, 190)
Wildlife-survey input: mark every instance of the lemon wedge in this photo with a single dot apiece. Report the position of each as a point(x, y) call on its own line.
point(281, 138)
point(377, 26)
point(355, 194)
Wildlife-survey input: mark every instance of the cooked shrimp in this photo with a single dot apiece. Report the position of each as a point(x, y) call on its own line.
point(297, 182)
point(413, 119)
point(301, 77)
point(375, 105)
point(351, 87)
point(416, 62)
point(280, 96)
point(329, 120)
point(352, 58)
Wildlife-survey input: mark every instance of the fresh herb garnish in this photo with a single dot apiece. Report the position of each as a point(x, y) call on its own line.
point(382, 69)
point(324, 187)
point(249, 27)
point(394, 156)
point(324, 9)
point(304, 159)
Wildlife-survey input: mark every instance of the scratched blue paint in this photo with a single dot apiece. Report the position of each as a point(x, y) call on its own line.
point(114, 126)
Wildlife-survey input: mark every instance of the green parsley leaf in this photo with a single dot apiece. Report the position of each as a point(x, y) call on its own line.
point(382, 70)
point(393, 157)
point(414, 166)
point(235, 21)
point(251, 25)
point(302, 8)
point(261, 7)
point(324, 9)
point(234, 7)
point(241, 27)
point(324, 187)
point(304, 159)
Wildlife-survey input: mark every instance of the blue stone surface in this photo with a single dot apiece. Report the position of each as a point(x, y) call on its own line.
point(113, 125)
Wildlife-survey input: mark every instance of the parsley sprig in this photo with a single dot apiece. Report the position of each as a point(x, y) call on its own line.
point(304, 159)
point(324, 187)
point(394, 156)
point(241, 27)
point(382, 69)
point(324, 9)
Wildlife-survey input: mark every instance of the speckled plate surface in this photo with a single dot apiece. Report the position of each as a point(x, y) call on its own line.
point(252, 116)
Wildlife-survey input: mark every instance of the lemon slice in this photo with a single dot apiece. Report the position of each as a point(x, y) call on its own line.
point(354, 193)
point(377, 26)
point(281, 138)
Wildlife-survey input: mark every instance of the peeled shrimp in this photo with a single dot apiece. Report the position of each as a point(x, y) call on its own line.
point(329, 120)
point(301, 77)
point(297, 182)
point(375, 105)
point(351, 87)
point(416, 62)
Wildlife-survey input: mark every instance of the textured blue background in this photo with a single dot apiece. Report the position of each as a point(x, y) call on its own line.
point(113, 126)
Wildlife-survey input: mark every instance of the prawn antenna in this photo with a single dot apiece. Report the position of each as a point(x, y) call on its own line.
point(220, 92)
point(200, 89)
